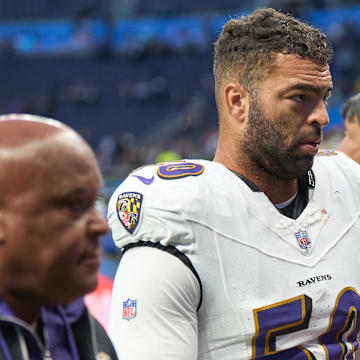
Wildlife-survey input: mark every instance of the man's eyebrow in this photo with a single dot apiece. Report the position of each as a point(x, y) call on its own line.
point(79, 191)
point(308, 87)
point(76, 193)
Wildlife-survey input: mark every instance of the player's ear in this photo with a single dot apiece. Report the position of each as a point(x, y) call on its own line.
point(236, 101)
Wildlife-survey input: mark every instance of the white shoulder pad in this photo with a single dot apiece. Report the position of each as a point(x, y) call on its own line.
point(342, 173)
point(338, 161)
point(150, 205)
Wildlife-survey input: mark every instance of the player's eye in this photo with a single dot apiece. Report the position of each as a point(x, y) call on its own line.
point(299, 98)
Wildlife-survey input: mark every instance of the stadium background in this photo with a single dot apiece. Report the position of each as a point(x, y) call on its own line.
point(134, 77)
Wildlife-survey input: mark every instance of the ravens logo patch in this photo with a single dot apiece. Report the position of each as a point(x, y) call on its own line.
point(128, 208)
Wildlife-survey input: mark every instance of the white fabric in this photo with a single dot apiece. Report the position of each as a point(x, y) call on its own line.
point(258, 279)
point(167, 295)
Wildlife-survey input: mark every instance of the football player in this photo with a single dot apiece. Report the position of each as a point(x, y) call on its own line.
point(253, 255)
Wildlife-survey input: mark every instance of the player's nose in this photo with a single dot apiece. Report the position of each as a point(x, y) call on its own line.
point(319, 114)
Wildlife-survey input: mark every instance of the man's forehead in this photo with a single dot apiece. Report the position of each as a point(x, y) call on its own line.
point(296, 66)
point(54, 164)
point(61, 181)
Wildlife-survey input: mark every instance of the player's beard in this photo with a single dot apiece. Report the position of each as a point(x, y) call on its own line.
point(267, 144)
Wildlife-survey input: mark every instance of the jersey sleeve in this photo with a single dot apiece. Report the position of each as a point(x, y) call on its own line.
point(154, 307)
point(149, 212)
point(157, 291)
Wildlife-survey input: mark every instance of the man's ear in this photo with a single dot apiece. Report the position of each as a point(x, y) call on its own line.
point(236, 101)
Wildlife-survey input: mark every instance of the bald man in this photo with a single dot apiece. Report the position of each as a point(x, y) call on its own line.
point(49, 242)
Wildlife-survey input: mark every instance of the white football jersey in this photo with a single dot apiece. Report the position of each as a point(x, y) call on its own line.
point(272, 287)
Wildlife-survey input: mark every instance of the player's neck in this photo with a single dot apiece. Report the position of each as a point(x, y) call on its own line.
point(276, 189)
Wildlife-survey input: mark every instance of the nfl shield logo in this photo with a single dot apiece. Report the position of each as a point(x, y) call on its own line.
point(129, 309)
point(303, 239)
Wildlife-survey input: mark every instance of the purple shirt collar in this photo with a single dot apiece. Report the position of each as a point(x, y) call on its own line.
point(57, 320)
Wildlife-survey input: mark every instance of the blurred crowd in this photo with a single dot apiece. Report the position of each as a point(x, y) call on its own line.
point(186, 125)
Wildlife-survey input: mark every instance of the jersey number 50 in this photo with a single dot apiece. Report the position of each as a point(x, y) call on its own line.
point(294, 314)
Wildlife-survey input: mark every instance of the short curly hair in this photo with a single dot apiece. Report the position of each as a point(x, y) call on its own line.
point(246, 46)
point(351, 109)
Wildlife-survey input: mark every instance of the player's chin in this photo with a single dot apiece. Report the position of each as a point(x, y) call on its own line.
point(304, 163)
point(295, 167)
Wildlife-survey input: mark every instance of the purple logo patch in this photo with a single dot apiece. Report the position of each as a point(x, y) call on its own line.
point(129, 309)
